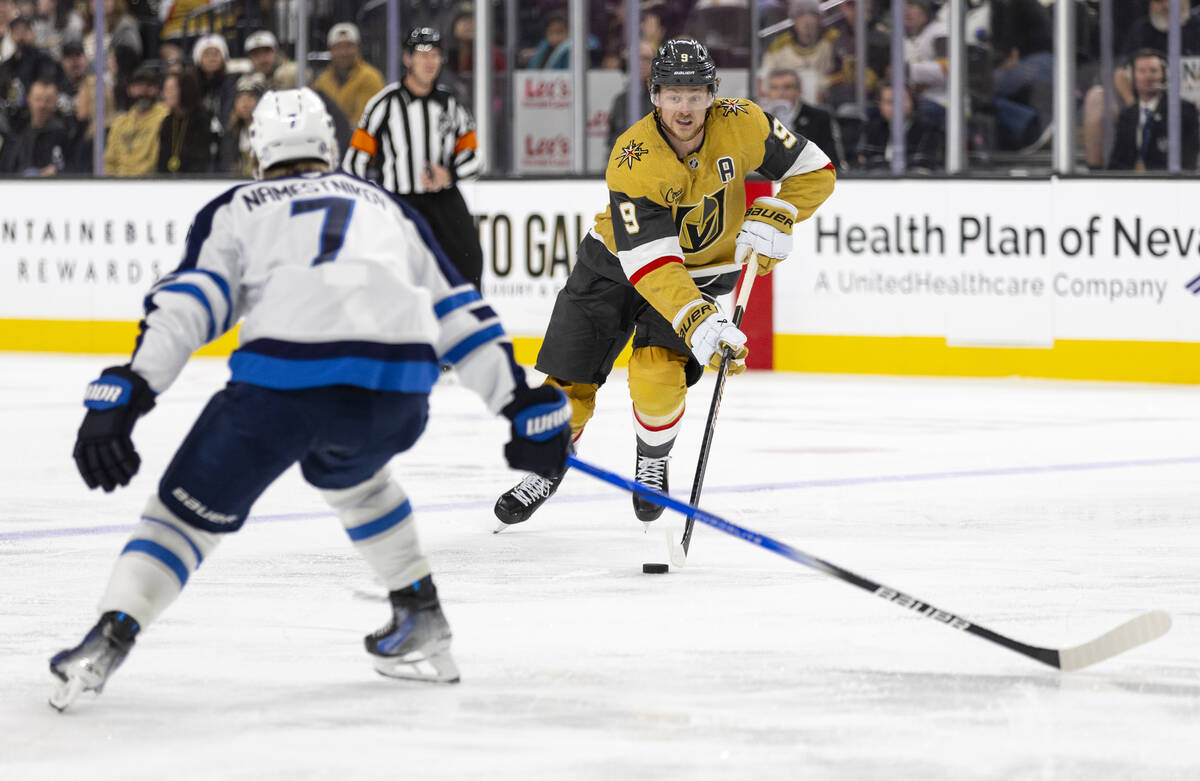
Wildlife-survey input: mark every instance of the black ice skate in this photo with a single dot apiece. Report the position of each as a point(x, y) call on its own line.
point(519, 502)
point(415, 645)
point(652, 472)
point(86, 667)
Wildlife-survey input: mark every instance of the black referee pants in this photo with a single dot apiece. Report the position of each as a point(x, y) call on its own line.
point(453, 227)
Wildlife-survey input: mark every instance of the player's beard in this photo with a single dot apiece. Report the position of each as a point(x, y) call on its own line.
point(696, 128)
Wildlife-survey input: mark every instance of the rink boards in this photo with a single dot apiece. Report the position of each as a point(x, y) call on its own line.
point(1087, 279)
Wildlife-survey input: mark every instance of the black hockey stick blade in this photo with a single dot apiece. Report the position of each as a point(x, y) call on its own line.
point(1131, 634)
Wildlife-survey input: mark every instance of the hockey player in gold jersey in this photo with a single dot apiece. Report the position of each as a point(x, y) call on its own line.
point(672, 238)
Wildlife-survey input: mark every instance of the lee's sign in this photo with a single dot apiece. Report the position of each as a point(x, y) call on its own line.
point(542, 122)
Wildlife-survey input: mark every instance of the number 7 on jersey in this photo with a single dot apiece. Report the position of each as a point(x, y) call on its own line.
point(333, 229)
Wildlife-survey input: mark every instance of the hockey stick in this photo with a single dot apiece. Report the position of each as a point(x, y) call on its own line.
point(1132, 633)
point(679, 552)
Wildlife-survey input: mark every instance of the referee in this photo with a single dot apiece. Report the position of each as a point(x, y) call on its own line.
point(417, 141)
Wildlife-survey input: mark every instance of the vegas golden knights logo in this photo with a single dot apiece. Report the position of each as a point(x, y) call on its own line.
point(701, 224)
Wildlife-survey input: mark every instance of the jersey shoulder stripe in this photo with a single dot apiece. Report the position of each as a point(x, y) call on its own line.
point(202, 227)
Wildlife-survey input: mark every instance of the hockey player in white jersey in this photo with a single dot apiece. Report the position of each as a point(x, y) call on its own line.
point(348, 307)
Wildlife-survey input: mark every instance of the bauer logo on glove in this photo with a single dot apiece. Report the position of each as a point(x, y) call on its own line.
point(767, 232)
point(708, 334)
point(696, 311)
point(769, 214)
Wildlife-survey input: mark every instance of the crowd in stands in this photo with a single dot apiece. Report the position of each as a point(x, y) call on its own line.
point(175, 103)
point(182, 78)
point(1010, 81)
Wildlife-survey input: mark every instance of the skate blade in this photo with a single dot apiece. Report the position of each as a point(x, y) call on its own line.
point(435, 668)
point(502, 525)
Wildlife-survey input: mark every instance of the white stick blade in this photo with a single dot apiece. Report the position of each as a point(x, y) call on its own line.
point(1131, 634)
point(675, 551)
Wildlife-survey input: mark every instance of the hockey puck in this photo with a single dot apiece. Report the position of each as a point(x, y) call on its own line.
point(655, 569)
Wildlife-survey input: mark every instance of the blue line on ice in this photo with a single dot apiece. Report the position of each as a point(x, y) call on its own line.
point(832, 482)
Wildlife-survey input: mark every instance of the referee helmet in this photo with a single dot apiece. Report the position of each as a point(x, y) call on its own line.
point(422, 39)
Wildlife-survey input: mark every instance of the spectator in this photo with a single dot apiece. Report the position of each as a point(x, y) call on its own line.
point(75, 71)
point(236, 156)
point(184, 140)
point(784, 99)
point(54, 23)
point(121, 35)
point(654, 26)
point(263, 51)
point(1021, 35)
point(1150, 32)
point(842, 88)
point(82, 127)
point(348, 80)
point(924, 144)
point(217, 87)
point(554, 50)
point(925, 53)
point(177, 11)
point(978, 18)
point(285, 78)
point(607, 22)
point(460, 53)
point(1141, 138)
point(132, 146)
point(7, 14)
point(39, 135)
point(805, 50)
point(618, 115)
point(170, 54)
point(27, 65)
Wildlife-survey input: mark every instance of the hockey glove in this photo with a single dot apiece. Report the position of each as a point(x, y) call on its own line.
point(767, 231)
point(541, 434)
point(707, 333)
point(104, 452)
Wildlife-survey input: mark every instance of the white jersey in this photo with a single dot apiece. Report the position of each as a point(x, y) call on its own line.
point(336, 283)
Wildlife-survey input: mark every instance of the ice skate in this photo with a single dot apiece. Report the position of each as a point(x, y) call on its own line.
point(415, 645)
point(652, 472)
point(87, 666)
point(522, 500)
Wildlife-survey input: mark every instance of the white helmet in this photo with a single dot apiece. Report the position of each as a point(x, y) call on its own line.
point(292, 124)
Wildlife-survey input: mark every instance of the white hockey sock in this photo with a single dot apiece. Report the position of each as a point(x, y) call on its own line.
point(657, 433)
point(162, 553)
point(378, 518)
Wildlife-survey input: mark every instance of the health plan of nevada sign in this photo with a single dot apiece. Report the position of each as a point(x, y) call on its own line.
point(1004, 263)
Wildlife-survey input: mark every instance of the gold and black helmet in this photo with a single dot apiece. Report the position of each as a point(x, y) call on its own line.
point(682, 62)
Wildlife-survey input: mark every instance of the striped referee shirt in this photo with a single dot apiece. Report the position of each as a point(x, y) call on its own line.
point(400, 133)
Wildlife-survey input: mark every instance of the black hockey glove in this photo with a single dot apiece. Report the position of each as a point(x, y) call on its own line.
point(104, 452)
point(540, 431)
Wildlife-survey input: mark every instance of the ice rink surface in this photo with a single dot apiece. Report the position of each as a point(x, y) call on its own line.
point(1047, 511)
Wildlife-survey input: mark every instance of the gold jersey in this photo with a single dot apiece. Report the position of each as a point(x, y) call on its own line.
point(669, 209)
